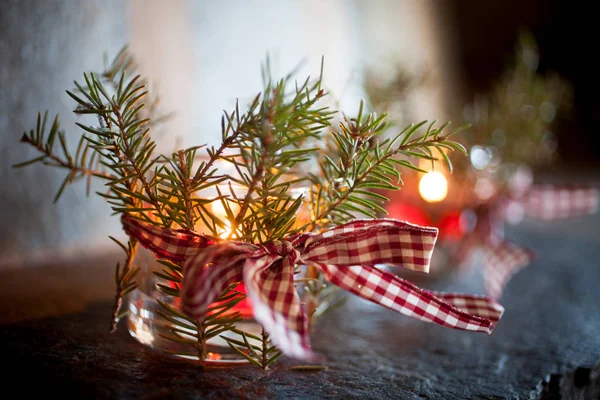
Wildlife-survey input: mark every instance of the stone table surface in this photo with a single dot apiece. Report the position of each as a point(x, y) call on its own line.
point(54, 338)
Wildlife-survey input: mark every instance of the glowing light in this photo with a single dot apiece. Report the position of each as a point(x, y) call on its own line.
point(142, 332)
point(480, 157)
point(433, 187)
point(219, 211)
point(484, 188)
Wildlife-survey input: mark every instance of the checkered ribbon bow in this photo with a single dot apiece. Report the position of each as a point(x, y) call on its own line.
point(502, 258)
point(346, 255)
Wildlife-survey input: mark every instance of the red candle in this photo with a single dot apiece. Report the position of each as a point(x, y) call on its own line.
point(430, 200)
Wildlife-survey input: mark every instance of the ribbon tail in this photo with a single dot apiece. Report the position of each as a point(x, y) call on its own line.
point(501, 262)
point(207, 275)
point(165, 243)
point(453, 310)
point(277, 307)
point(549, 202)
point(481, 306)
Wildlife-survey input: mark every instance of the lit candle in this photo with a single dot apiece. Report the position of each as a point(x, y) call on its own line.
point(433, 187)
point(218, 210)
point(244, 307)
point(432, 199)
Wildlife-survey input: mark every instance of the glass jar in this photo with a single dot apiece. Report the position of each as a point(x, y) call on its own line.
point(152, 323)
point(155, 318)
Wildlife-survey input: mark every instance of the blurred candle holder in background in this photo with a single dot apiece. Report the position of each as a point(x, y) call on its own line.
point(468, 206)
point(446, 201)
point(510, 134)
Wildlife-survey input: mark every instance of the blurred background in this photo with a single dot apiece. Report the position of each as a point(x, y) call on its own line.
point(200, 56)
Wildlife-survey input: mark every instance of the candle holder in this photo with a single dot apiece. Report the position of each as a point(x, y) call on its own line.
point(152, 322)
point(484, 198)
point(441, 199)
point(153, 318)
point(509, 135)
point(232, 256)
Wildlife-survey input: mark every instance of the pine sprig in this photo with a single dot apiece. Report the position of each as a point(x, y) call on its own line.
point(160, 190)
point(124, 64)
point(262, 355)
point(358, 162)
point(267, 150)
point(265, 157)
point(179, 186)
point(180, 328)
point(118, 150)
point(83, 165)
point(518, 116)
point(123, 144)
point(124, 279)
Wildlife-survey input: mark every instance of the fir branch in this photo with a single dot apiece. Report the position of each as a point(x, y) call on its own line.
point(129, 156)
point(126, 153)
point(229, 133)
point(187, 190)
point(124, 64)
point(80, 165)
point(361, 163)
point(180, 186)
point(262, 354)
point(267, 153)
point(123, 144)
point(220, 317)
point(124, 279)
point(518, 116)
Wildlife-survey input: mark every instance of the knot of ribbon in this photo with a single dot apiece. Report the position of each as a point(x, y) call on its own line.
point(503, 258)
point(283, 249)
point(346, 255)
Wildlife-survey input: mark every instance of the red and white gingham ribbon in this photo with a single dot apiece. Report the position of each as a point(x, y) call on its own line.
point(346, 255)
point(551, 202)
point(544, 202)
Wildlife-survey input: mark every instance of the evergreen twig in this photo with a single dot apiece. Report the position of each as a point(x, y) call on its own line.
point(124, 280)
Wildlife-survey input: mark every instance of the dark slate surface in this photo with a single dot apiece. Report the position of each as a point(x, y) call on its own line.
point(546, 344)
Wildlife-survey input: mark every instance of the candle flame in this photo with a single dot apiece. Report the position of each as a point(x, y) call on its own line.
point(218, 210)
point(433, 187)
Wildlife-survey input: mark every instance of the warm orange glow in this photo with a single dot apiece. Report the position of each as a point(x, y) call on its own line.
point(213, 356)
point(433, 187)
point(303, 213)
point(218, 210)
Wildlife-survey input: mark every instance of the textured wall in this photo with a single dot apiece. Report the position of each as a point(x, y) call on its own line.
point(44, 46)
